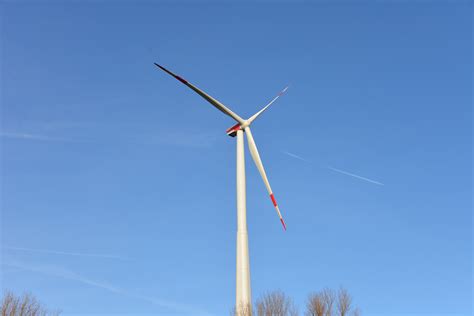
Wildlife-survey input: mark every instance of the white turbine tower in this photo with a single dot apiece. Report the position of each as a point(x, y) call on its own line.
point(243, 292)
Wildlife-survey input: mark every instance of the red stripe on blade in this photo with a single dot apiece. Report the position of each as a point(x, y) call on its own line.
point(283, 223)
point(273, 199)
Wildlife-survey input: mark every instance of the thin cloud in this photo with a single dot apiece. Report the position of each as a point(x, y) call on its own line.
point(190, 139)
point(27, 136)
point(61, 272)
point(354, 175)
point(66, 253)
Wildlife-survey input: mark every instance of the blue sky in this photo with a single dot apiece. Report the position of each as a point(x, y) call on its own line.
point(118, 183)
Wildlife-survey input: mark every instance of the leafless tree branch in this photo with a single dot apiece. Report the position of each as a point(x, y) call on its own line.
point(344, 301)
point(26, 305)
point(275, 304)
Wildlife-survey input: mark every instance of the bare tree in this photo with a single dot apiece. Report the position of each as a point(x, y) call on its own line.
point(328, 299)
point(275, 304)
point(26, 305)
point(344, 301)
point(320, 304)
point(328, 303)
point(315, 305)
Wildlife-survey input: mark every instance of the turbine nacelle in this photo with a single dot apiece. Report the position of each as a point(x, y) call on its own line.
point(232, 131)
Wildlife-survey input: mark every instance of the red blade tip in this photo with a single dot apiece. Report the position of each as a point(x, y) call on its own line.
point(283, 223)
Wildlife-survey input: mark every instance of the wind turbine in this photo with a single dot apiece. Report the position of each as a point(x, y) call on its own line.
point(243, 291)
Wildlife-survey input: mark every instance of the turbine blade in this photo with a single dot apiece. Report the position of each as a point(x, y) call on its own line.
point(282, 92)
point(258, 162)
point(221, 107)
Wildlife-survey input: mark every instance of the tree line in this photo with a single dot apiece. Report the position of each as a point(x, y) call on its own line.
point(323, 303)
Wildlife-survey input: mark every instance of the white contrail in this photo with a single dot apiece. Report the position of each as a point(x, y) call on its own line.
point(335, 169)
point(354, 175)
point(67, 253)
point(61, 272)
point(295, 156)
